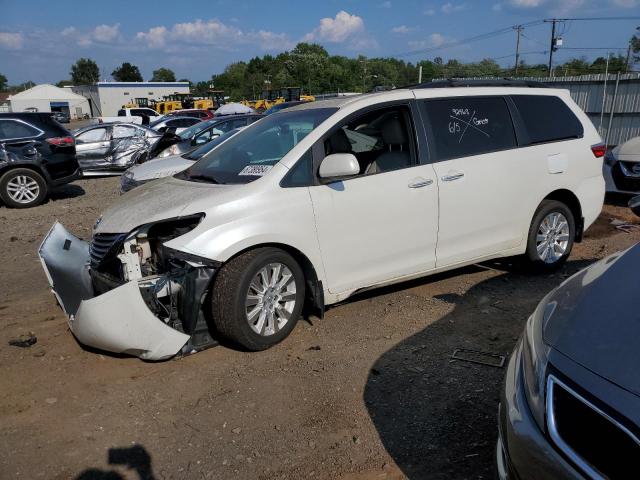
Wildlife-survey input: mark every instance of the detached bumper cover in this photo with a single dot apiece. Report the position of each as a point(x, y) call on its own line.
point(118, 321)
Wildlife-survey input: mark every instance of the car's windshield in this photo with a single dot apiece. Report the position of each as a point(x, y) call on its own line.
point(254, 151)
point(200, 152)
point(188, 133)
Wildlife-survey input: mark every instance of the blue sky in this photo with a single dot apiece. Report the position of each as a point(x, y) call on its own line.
point(39, 40)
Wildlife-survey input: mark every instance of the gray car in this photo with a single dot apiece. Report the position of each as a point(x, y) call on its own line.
point(570, 406)
point(111, 148)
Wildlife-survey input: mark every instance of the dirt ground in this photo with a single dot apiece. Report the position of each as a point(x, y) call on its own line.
point(369, 392)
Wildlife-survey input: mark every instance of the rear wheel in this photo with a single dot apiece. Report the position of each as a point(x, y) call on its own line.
point(257, 298)
point(551, 236)
point(22, 188)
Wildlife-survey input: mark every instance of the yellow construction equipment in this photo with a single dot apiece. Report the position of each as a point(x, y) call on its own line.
point(269, 98)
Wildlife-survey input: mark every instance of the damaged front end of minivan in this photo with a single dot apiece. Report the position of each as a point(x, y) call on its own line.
point(129, 293)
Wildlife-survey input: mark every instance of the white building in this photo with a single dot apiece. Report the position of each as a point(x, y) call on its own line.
point(106, 98)
point(49, 98)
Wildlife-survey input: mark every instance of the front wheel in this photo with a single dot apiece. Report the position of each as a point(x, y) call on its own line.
point(22, 188)
point(550, 236)
point(257, 298)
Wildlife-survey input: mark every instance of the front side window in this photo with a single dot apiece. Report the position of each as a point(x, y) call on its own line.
point(91, 136)
point(466, 126)
point(124, 131)
point(194, 129)
point(381, 140)
point(252, 152)
point(10, 129)
point(547, 118)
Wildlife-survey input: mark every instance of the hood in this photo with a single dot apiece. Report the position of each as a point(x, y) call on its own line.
point(159, 200)
point(629, 151)
point(596, 322)
point(160, 167)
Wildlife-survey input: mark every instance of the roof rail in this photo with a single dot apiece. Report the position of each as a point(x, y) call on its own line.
point(503, 82)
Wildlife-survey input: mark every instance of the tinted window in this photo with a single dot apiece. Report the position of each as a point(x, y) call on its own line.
point(13, 129)
point(182, 122)
point(547, 118)
point(122, 113)
point(95, 135)
point(301, 174)
point(465, 126)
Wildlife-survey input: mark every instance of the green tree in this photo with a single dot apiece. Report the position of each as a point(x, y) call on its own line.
point(635, 47)
point(127, 73)
point(3, 82)
point(163, 75)
point(64, 83)
point(84, 72)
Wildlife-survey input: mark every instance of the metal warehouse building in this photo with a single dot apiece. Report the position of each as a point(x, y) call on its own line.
point(106, 98)
point(49, 98)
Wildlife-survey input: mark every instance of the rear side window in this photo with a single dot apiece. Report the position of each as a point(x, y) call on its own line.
point(90, 136)
point(466, 126)
point(547, 118)
point(122, 113)
point(10, 129)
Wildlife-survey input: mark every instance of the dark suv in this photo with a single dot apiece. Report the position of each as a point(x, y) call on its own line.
point(36, 153)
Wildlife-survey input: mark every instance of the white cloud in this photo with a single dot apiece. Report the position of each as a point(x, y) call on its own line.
point(452, 7)
point(11, 41)
point(338, 29)
point(626, 3)
point(211, 32)
point(402, 29)
point(101, 34)
point(106, 33)
point(434, 40)
point(429, 12)
point(344, 28)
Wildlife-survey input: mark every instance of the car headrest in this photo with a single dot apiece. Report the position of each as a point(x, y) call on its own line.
point(393, 132)
point(339, 142)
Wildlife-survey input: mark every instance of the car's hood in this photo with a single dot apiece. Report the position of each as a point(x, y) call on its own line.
point(160, 167)
point(596, 322)
point(159, 200)
point(629, 151)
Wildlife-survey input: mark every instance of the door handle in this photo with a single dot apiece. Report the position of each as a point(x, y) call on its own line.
point(420, 182)
point(450, 177)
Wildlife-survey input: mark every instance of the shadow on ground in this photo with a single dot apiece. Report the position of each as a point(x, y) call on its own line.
point(69, 190)
point(135, 458)
point(436, 416)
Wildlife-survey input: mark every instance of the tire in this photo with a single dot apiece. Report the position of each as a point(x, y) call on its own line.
point(238, 307)
point(548, 250)
point(22, 188)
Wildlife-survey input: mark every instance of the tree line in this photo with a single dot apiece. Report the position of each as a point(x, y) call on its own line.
point(310, 67)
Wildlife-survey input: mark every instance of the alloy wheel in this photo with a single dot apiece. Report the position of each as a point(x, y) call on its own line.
point(552, 239)
point(23, 189)
point(270, 299)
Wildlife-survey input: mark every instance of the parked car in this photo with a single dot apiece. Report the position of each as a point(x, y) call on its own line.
point(109, 149)
point(282, 106)
point(570, 405)
point(302, 206)
point(36, 154)
point(137, 115)
point(61, 117)
point(173, 124)
point(622, 167)
point(200, 113)
point(205, 131)
point(163, 167)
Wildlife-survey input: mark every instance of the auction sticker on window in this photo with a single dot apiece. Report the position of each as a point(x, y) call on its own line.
point(255, 170)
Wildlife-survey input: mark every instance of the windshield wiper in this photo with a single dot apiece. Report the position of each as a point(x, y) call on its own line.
point(202, 178)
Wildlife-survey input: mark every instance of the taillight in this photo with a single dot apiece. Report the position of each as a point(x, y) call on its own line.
point(60, 141)
point(599, 150)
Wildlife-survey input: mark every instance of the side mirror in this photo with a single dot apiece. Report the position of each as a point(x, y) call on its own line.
point(339, 165)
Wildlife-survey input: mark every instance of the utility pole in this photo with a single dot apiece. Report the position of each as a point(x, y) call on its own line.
point(626, 68)
point(518, 29)
point(553, 42)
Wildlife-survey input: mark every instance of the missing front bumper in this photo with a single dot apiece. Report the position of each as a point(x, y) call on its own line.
point(119, 320)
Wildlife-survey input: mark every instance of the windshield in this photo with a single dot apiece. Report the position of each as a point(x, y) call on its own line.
point(200, 152)
point(254, 151)
point(188, 133)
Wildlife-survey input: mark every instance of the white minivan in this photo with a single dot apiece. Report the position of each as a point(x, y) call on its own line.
point(314, 203)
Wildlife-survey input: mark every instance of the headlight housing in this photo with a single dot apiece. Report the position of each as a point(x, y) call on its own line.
point(535, 355)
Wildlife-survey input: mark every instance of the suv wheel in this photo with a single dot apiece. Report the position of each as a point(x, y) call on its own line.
point(257, 298)
point(22, 188)
point(550, 236)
